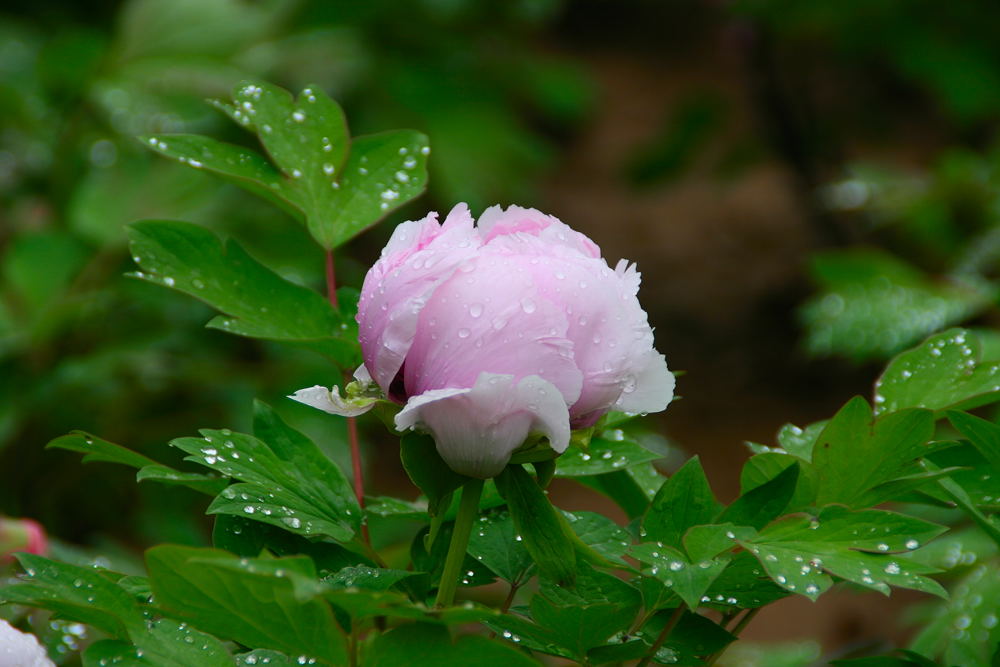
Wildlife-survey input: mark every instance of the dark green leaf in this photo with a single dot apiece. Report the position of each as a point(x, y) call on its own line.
point(265, 657)
point(855, 453)
point(627, 488)
point(612, 451)
point(683, 501)
point(601, 534)
point(201, 483)
point(743, 584)
point(688, 579)
point(255, 301)
point(984, 435)
point(424, 645)
point(367, 578)
point(764, 503)
point(693, 637)
point(546, 535)
point(240, 166)
point(248, 538)
point(427, 469)
point(253, 602)
point(83, 594)
point(496, 544)
point(291, 485)
point(96, 449)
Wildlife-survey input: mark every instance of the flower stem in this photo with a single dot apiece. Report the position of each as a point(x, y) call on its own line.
point(352, 425)
point(468, 508)
point(735, 631)
point(664, 634)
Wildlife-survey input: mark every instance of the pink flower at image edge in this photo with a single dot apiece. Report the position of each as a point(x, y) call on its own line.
point(489, 332)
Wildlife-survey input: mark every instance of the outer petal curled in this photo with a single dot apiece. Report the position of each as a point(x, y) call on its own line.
point(477, 429)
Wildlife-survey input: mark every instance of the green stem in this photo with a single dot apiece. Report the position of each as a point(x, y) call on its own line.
point(664, 634)
point(468, 508)
point(436, 522)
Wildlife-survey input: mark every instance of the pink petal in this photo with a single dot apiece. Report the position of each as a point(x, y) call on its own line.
point(419, 257)
point(489, 317)
point(476, 429)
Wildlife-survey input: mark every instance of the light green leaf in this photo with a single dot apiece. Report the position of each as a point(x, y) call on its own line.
point(255, 301)
point(708, 541)
point(944, 372)
point(873, 305)
point(601, 534)
point(964, 630)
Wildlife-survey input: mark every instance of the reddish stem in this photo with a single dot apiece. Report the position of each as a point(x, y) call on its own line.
point(352, 425)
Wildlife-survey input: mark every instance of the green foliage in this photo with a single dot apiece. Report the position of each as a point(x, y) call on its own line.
point(340, 186)
point(255, 301)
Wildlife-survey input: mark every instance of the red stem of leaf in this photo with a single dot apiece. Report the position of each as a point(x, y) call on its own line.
point(352, 425)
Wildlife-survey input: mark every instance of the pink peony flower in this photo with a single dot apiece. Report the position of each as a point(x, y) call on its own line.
point(20, 649)
point(488, 333)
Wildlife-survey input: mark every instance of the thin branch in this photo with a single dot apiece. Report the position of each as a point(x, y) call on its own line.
point(352, 424)
point(664, 635)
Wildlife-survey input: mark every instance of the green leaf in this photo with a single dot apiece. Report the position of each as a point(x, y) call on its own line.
point(495, 543)
point(265, 657)
point(764, 503)
point(964, 629)
point(252, 602)
point(692, 638)
point(201, 483)
point(162, 643)
point(255, 301)
point(798, 441)
point(112, 652)
point(83, 594)
point(248, 538)
point(428, 471)
point(798, 552)
point(984, 435)
point(612, 452)
point(367, 578)
point(341, 186)
point(97, 449)
point(383, 172)
point(944, 372)
point(743, 584)
point(586, 616)
point(708, 541)
point(601, 534)
point(240, 166)
point(291, 484)
point(855, 453)
point(627, 488)
point(688, 579)
point(873, 305)
point(683, 501)
point(425, 645)
point(546, 535)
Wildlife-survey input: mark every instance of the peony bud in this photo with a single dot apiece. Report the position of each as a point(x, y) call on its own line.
point(488, 334)
point(18, 535)
point(20, 649)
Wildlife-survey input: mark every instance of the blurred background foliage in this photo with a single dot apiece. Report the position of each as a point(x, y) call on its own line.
point(799, 181)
